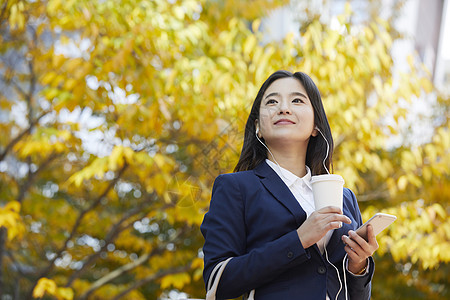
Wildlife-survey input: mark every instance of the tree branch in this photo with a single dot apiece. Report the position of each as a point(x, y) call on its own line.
point(3, 236)
point(373, 196)
point(51, 264)
point(2, 14)
point(151, 278)
point(17, 265)
point(16, 86)
point(21, 135)
point(23, 189)
point(110, 237)
point(125, 268)
point(29, 97)
point(32, 176)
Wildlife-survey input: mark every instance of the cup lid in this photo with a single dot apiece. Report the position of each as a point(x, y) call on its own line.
point(327, 177)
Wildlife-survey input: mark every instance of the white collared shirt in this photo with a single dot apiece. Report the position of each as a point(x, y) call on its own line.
point(302, 190)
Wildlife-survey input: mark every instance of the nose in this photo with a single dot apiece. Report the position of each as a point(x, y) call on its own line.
point(284, 108)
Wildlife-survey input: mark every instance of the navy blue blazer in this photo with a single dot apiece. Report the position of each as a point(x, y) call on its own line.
point(253, 217)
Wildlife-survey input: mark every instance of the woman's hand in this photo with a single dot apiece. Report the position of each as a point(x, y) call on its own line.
point(319, 223)
point(358, 249)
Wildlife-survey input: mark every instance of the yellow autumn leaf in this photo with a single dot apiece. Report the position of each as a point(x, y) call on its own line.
point(177, 281)
point(255, 25)
point(64, 293)
point(48, 77)
point(128, 153)
point(70, 84)
point(13, 206)
point(249, 44)
point(97, 168)
point(198, 263)
point(11, 219)
point(159, 160)
point(440, 211)
point(43, 286)
point(225, 63)
point(116, 158)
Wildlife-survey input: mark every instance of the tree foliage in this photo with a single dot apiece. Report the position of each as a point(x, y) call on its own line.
point(118, 115)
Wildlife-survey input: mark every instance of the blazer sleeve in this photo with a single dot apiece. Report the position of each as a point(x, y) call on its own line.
point(359, 287)
point(224, 230)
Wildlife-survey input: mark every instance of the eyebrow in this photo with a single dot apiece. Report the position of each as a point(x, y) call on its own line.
point(292, 94)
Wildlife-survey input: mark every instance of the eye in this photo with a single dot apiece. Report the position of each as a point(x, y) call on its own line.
point(298, 100)
point(271, 101)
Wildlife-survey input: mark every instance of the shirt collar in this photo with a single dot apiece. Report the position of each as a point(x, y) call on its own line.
point(288, 177)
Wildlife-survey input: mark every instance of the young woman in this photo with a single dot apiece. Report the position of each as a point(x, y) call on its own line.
point(263, 215)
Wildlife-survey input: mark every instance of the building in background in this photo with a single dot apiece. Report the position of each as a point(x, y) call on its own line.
point(442, 70)
point(423, 23)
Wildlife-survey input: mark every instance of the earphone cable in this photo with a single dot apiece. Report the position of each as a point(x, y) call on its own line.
point(279, 167)
point(328, 149)
point(337, 271)
point(345, 277)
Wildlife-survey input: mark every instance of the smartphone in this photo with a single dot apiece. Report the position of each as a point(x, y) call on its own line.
point(379, 222)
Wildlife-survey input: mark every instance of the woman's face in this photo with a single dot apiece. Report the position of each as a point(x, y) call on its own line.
point(286, 113)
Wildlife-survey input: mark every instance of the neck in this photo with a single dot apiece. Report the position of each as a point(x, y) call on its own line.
point(290, 158)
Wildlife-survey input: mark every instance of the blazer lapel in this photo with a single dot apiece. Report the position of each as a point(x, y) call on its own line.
point(280, 191)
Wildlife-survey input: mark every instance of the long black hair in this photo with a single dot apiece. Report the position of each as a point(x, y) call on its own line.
point(253, 152)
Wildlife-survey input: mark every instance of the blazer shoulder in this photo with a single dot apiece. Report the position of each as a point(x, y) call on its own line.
point(240, 180)
point(350, 198)
point(348, 193)
point(236, 175)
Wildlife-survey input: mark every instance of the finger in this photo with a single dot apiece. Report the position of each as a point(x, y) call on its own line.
point(371, 237)
point(330, 209)
point(364, 249)
point(344, 218)
point(339, 218)
point(333, 225)
point(352, 255)
point(354, 245)
point(357, 238)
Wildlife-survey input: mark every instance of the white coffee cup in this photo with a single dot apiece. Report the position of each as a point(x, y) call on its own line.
point(327, 190)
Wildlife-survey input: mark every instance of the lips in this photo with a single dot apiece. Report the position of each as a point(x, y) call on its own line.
point(284, 122)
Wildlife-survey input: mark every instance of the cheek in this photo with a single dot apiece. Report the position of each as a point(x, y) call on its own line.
point(307, 115)
point(265, 117)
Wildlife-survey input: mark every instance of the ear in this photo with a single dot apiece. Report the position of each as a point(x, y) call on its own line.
point(258, 133)
point(315, 132)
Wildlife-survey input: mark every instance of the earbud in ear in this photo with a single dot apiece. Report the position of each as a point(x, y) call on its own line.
point(258, 135)
point(315, 131)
